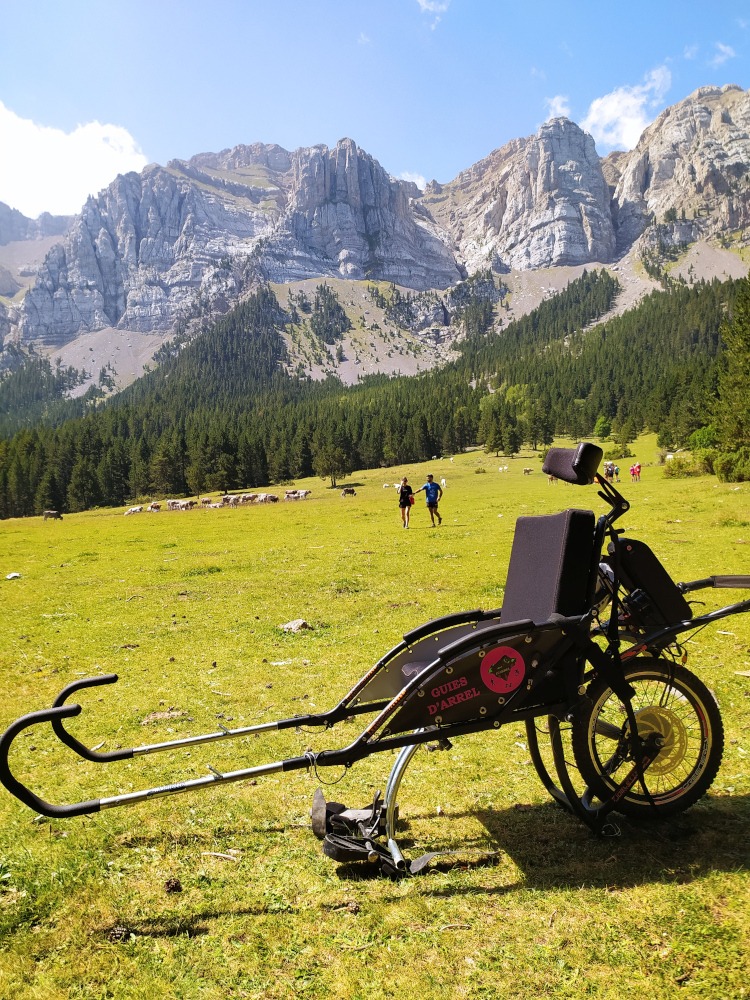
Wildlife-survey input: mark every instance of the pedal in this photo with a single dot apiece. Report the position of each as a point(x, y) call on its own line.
point(341, 848)
point(334, 817)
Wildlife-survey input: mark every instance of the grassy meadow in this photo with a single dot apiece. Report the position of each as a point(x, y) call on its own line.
point(186, 608)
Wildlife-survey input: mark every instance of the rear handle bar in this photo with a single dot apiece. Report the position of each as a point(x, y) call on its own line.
point(323, 719)
point(55, 715)
point(60, 711)
point(724, 581)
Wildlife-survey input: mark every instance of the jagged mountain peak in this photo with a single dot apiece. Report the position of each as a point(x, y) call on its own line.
point(187, 239)
point(691, 163)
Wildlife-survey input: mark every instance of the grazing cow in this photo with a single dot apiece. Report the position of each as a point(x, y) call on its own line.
point(552, 480)
point(206, 502)
point(134, 510)
point(153, 507)
point(527, 472)
point(53, 515)
point(443, 483)
point(173, 504)
point(296, 494)
point(348, 491)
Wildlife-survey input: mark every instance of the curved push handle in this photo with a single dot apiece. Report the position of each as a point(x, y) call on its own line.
point(70, 741)
point(15, 787)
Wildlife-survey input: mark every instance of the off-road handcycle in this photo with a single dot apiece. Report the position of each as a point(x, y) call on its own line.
point(586, 652)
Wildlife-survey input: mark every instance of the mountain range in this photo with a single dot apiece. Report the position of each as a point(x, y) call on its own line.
point(157, 253)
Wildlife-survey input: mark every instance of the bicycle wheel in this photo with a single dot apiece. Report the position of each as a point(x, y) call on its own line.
point(670, 701)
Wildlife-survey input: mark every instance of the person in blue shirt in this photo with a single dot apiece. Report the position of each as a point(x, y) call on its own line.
point(433, 492)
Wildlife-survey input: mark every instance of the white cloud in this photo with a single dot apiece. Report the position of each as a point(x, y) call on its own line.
point(558, 107)
point(417, 179)
point(435, 7)
point(690, 52)
point(617, 120)
point(722, 54)
point(44, 169)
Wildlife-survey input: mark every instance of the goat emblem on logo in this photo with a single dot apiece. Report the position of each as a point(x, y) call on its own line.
point(502, 670)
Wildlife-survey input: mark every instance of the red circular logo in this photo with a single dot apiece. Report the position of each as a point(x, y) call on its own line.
point(502, 669)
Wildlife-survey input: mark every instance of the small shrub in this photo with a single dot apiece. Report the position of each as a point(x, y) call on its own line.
point(479, 470)
point(619, 451)
point(705, 459)
point(681, 467)
point(733, 466)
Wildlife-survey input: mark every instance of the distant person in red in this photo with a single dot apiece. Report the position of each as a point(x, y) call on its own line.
point(405, 500)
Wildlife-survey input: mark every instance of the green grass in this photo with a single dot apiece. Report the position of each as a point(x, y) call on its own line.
point(186, 609)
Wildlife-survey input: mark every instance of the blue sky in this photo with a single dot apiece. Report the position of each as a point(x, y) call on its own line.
point(92, 88)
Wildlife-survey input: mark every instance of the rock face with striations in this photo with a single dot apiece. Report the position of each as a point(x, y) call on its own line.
point(537, 202)
point(185, 240)
point(693, 162)
point(157, 245)
point(14, 226)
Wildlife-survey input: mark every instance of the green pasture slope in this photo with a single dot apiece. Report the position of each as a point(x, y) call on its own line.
point(186, 608)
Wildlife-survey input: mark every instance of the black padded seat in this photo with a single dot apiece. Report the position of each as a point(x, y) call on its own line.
point(551, 567)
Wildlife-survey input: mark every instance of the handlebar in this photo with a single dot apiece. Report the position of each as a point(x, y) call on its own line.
point(724, 581)
point(70, 741)
point(20, 790)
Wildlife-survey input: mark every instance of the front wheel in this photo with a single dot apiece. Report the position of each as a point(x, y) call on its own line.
point(670, 701)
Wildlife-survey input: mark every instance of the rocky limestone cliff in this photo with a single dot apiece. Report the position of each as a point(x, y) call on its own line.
point(159, 248)
point(537, 202)
point(14, 226)
point(175, 241)
point(693, 160)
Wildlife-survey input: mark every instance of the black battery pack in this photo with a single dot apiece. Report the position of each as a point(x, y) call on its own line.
point(653, 597)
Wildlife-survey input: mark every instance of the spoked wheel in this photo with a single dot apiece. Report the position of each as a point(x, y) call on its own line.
point(670, 701)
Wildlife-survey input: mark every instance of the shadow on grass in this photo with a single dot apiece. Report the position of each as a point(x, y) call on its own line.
point(553, 850)
point(188, 925)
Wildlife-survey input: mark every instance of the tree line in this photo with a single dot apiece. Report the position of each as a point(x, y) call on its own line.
point(220, 413)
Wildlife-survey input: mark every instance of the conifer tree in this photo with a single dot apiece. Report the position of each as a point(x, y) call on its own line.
point(733, 410)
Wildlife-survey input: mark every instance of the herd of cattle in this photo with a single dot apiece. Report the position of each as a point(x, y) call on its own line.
point(230, 500)
point(238, 499)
